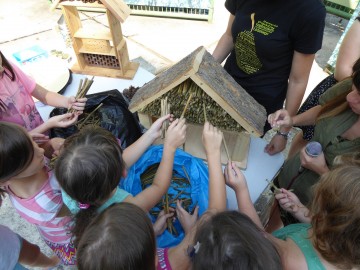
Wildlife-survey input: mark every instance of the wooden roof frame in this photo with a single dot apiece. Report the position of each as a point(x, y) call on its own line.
point(212, 78)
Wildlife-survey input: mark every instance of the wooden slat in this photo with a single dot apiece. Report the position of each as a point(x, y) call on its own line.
point(82, 4)
point(164, 82)
point(118, 8)
point(93, 33)
point(238, 145)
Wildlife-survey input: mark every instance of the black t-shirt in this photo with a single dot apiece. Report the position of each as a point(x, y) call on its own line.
point(265, 44)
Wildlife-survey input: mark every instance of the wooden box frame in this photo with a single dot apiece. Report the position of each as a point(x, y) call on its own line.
point(100, 52)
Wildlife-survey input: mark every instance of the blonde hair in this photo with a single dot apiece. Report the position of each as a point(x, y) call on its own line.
point(336, 216)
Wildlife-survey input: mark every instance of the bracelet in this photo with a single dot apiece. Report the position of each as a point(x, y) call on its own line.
point(285, 135)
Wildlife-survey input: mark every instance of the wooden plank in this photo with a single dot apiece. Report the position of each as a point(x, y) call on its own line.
point(164, 82)
point(102, 48)
point(218, 84)
point(238, 145)
point(73, 23)
point(80, 4)
point(118, 8)
point(93, 33)
point(107, 72)
point(115, 28)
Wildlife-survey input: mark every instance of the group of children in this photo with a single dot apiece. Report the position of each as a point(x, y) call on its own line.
point(88, 221)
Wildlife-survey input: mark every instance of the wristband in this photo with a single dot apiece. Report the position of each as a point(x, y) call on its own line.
point(285, 135)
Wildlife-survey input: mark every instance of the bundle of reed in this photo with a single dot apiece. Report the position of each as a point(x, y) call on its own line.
point(89, 118)
point(82, 90)
point(190, 96)
point(180, 189)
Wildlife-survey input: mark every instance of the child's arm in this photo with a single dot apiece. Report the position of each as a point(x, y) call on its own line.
point(236, 180)
point(31, 255)
point(149, 197)
point(212, 138)
point(291, 203)
point(63, 120)
point(132, 153)
point(57, 100)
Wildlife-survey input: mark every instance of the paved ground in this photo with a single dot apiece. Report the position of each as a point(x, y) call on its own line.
point(156, 43)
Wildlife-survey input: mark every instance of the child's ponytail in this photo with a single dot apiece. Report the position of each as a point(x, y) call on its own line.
point(82, 221)
point(89, 169)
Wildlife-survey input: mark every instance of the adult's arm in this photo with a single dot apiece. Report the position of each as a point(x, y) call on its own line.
point(225, 43)
point(349, 52)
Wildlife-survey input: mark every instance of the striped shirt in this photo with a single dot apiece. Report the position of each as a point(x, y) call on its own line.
point(41, 210)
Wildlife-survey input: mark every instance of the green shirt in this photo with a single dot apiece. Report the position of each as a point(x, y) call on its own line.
point(328, 133)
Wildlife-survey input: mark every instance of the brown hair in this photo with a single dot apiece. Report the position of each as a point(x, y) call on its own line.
point(121, 237)
point(339, 104)
point(336, 216)
point(16, 151)
point(230, 240)
point(8, 71)
point(88, 169)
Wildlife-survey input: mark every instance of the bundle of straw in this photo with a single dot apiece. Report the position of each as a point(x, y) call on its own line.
point(82, 90)
point(180, 189)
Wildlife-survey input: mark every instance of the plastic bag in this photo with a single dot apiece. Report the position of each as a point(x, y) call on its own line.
point(114, 116)
point(198, 174)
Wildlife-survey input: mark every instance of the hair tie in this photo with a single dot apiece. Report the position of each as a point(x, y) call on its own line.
point(192, 250)
point(84, 205)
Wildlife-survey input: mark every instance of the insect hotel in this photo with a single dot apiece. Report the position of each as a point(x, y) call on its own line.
point(199, 89)
point(99, 51)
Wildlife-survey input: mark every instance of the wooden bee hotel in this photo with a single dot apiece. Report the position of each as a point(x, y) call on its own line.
point(99, 51)
point(202, 86)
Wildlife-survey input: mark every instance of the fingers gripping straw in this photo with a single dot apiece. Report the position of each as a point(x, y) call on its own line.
point(312, 149)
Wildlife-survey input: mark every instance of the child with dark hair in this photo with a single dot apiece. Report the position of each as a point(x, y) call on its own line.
point(105, 239)
point(33, 189)
point(231, 239)
point(331, 240)
point(92, 162)
point(120, 237)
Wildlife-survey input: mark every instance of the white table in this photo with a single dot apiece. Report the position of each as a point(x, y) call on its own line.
point(260, 166)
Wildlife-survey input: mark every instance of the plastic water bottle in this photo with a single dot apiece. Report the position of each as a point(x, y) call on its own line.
point(312, 149)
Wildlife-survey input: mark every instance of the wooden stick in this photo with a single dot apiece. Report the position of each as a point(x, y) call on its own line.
point(186, 106)
point(162, 113)
point(205, 118)
point(226, 148)
point(54, 5)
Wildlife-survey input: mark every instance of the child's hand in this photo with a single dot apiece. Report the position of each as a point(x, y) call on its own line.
point(160, 223)
point(154, 131)
point(291, 203)
point(56, 144)
point(288, 200)
point(38, 137)
point(212, 138)
point(62, 121)
point(78, 105)
point(176, 134)
point(187, 220)
point(234, 178)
